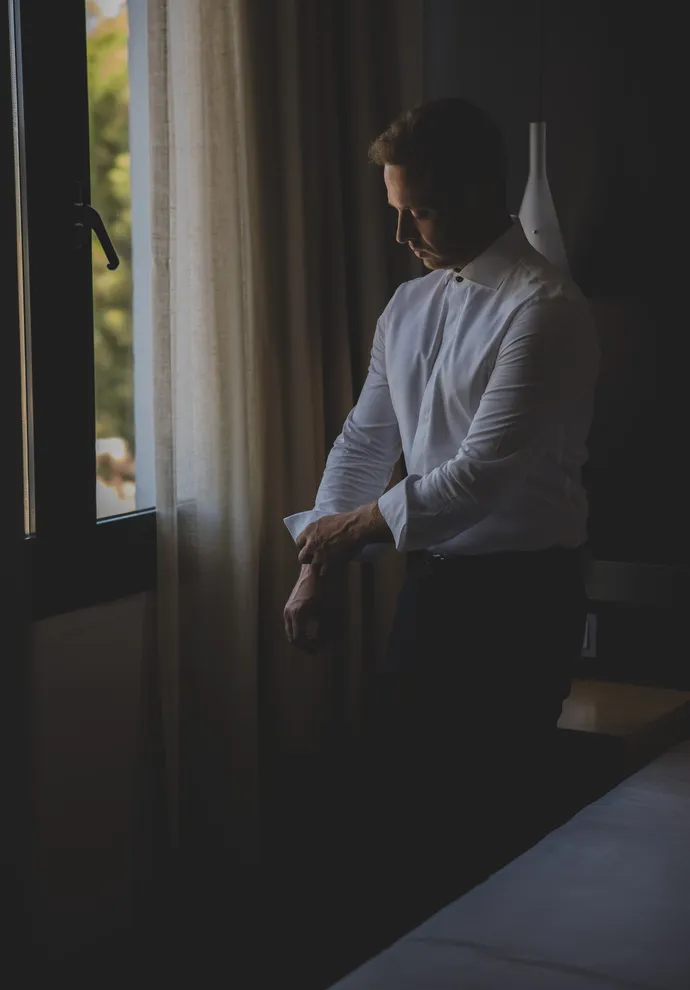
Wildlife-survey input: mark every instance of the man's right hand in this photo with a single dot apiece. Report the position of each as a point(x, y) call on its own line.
point(308, 613)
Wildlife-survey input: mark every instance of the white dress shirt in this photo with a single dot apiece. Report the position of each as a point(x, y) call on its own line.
point(484, 379)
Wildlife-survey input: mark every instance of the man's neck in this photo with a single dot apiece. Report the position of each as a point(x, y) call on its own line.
point(489, 233)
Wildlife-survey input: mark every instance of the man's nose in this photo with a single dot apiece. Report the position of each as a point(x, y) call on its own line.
point(402, 235)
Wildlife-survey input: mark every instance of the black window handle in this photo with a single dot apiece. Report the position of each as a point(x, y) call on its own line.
point(87, 218)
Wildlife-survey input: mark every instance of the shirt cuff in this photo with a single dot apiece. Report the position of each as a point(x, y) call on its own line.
point(300, 520)
point(393, 508)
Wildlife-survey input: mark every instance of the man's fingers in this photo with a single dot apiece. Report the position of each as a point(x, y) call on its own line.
point(304, 642)
point(311, 555)
point(303, 538)
point(305, 626)
point(293, 625)
point(287, 619)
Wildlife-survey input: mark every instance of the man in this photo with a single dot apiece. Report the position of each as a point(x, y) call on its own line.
point(482, 373)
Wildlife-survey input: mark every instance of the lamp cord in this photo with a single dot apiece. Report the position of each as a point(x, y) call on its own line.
point(540, 60)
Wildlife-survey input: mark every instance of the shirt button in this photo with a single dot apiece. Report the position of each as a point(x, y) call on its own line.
point(458, 278)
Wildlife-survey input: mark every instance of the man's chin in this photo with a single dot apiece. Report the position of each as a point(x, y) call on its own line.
point(429, 260)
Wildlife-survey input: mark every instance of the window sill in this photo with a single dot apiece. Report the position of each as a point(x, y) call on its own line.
point(114, 559)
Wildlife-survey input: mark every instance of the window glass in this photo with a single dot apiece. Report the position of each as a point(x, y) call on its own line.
point(108, 81)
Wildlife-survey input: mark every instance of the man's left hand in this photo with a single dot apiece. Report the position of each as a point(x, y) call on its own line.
point(342, 536)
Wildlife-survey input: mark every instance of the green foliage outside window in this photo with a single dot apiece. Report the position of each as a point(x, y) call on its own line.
point(110, 194)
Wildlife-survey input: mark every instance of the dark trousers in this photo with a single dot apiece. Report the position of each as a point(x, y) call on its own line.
point(460, 754)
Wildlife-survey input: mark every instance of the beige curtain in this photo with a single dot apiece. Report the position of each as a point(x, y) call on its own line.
point(273, 257)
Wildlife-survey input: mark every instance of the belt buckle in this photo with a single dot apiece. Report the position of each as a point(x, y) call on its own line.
point(433, 561)
point(427, 561)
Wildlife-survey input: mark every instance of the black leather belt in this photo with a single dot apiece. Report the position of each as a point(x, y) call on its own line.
point(426, 562)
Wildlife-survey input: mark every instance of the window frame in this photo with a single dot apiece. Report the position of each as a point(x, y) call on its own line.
point(73, 560)
point(15, 688)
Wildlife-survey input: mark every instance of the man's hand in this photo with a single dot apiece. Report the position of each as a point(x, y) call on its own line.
point(308, 614)
point(341, 536)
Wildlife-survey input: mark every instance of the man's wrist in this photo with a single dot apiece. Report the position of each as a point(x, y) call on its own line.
point(375, 529)
point(311, 574)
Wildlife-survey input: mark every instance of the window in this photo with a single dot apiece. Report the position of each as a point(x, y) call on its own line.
point(81, 201)
point(119, 165)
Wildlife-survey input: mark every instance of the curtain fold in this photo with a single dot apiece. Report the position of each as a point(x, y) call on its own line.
point(272, 259)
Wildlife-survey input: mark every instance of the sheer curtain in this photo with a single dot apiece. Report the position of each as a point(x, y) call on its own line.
point(273, 257)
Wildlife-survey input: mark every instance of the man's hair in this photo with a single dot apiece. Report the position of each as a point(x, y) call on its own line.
point(449, 140)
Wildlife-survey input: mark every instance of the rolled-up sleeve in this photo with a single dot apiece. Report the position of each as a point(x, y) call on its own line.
point(361, 461)
point(547, 358)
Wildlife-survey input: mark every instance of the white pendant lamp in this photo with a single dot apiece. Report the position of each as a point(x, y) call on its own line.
point(537, 212)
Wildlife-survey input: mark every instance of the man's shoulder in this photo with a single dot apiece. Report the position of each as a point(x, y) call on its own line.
point(536, 278)
point(548, 304)
point(537, 285)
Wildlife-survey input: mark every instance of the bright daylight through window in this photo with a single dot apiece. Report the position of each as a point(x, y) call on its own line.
point(117, 140)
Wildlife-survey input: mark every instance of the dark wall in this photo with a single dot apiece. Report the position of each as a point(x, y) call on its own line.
point(613, 101)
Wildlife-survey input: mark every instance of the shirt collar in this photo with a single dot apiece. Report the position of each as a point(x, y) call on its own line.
point(493, 264)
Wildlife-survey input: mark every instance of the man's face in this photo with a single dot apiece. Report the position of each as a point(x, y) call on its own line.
point(438, 234)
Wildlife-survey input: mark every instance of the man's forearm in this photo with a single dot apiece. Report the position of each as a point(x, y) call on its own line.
point(375, 529)
point(342, 535)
